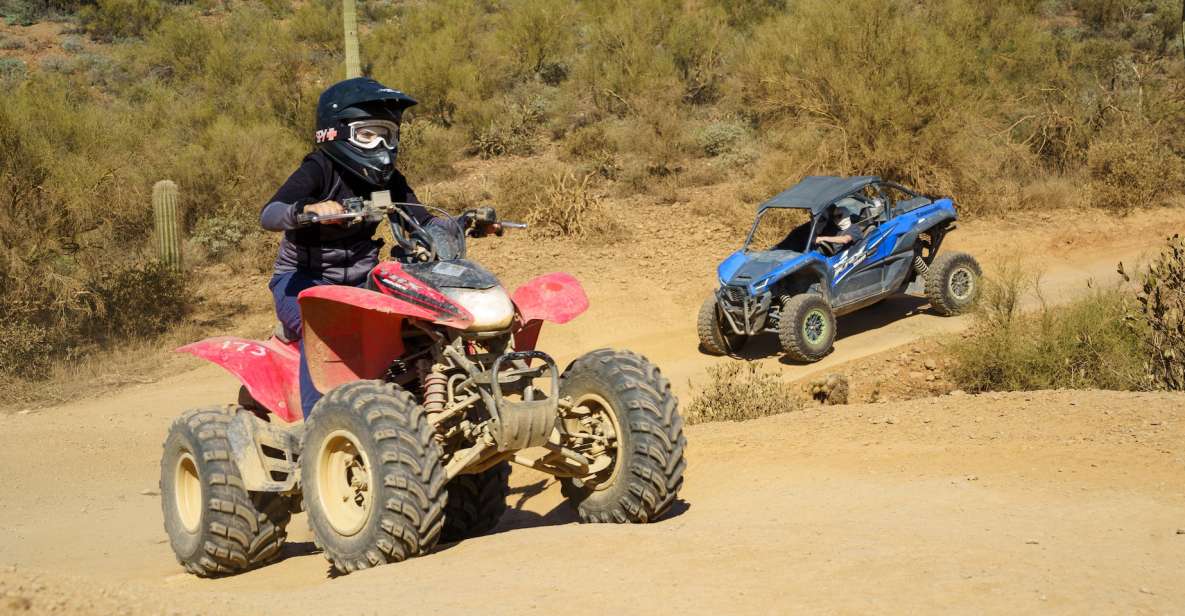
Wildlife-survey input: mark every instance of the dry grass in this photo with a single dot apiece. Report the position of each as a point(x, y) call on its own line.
point(737, 391)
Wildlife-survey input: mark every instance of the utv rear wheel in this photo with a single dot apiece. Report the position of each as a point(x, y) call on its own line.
point(629, 428)
point(806, 327)
point(952, 283)
point(476, 502)
point(374, 485)
point(215, 526)
point(715, 337)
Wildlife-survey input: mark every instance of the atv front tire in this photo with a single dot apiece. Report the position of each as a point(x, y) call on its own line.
point(374, 485)
point(952, 283)
point(806, 327)
point(713, 338)
point(215, 526)
point(476, 502)
point(638, 452)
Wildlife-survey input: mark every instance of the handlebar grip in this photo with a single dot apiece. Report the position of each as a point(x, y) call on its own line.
point(506, 224)
point(305, 219)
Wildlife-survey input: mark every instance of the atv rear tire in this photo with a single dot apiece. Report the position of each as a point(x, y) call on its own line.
point(476, 502)
point(952, 283)
point(806, 327)
point(625, 394)
point(215, 526)
point(374, 485)
point(712, 337)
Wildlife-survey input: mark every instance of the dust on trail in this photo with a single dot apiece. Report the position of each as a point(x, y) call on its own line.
point(1066, 501)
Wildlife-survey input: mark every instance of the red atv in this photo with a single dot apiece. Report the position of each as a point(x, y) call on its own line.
point(434, 387)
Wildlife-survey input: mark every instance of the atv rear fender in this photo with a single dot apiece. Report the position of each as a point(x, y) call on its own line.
point(935, 219)
point(555, 297)
point(267, 369)
point(352, 334)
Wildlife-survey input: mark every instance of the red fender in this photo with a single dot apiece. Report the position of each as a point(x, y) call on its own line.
point(352, 334)
point(555, 297)
point(269, 370)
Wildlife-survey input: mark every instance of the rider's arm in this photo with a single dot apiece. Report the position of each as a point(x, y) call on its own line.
point(300, 189)
point(835, 239)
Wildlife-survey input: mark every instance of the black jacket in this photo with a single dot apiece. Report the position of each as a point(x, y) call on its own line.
point(342, 254)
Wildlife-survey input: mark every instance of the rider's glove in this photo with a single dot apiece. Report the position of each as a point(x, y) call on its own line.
point(481, 222)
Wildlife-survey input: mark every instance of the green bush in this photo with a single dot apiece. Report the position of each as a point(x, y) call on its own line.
point(1131, 171)
point(738, 391)
point(115, 19)
point(1084, 344)
point(1161, 314)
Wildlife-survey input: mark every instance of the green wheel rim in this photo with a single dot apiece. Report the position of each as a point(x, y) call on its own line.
point(814, 326)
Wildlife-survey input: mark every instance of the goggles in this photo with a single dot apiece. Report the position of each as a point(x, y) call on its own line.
point(370, 134)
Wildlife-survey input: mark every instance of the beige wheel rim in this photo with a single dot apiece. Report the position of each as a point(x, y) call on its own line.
point(600, 420)
point(344, 482)
point(187, 492)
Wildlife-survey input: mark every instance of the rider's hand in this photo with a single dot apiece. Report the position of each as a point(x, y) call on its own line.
point(326, 208)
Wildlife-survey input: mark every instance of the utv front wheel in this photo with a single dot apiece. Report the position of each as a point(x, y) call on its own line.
point(374, 485)
point(952, 283)
point(715, 336)
point(626, 422)
point(215, 526)
point(806, 327)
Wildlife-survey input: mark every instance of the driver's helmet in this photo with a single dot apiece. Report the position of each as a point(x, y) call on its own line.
point(358, 127)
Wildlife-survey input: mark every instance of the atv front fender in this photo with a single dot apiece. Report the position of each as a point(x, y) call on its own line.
point(353, 334)
point(555, 297)
point(268, 369)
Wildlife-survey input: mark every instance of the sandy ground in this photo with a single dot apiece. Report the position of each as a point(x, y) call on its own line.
point(1052, 501)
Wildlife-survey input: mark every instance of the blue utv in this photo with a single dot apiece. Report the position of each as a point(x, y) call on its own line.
point(860, 240)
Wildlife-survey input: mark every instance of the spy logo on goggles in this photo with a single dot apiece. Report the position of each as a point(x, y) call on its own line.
point(326, 134)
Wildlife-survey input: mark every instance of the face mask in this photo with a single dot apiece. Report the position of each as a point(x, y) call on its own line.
point(843, 223)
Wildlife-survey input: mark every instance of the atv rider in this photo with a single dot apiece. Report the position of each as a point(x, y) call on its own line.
point(356, 141)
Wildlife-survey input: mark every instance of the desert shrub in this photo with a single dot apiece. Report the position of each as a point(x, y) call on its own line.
point(13, 69)
point(114, 19)
point(27, 12)
point(569, 207)
point(720, 138)
point(1131, 171)
point(1082, 344)
point(9, 43)
point(1160, 316)
point(539, 35)
point(591, 147)
point(513, 131)
point(218, 235)
point(318, 22)
point(427, 151)
point(737, 391)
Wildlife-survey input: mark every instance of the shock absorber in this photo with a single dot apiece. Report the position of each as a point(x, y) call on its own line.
point(919, 265)
point(435, 386)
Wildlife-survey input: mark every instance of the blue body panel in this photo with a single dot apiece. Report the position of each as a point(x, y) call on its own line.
point(892, 240)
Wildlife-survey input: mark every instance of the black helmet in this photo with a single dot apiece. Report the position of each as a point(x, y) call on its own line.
point(358, 127)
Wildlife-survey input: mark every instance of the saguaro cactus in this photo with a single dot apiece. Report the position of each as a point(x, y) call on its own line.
point(168, 223)
point(350, 21)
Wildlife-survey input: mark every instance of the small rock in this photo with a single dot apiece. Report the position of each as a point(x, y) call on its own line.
point(18, 604)
point(1180, 531)
point(917, 350)
point(929, 378)
point(930, 364)
point(890, 420)
point(1146, 591)
point(149, 492)
point(972, 478)
point(1032, 542)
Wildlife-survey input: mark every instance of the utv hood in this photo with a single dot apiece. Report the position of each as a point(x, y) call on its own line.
point(756, 270)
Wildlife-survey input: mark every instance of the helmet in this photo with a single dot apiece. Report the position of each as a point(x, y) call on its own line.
point(358, 127)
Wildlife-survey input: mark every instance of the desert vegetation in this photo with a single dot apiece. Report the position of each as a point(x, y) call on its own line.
point(987, 101)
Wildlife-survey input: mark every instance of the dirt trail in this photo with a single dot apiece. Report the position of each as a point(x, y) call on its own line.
point(1054, 501)
point(1062, 501)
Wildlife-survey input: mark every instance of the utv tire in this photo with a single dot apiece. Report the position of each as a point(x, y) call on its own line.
point(647, 465)
point(712, 337)
point(476, 502)
point(215, 526)
point(374, 485)
point(806, 327)
point(952, 283)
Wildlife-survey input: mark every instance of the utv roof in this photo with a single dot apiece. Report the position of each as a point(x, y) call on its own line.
point(816, 192)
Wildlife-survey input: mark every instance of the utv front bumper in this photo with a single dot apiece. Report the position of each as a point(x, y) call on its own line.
point(743, 313)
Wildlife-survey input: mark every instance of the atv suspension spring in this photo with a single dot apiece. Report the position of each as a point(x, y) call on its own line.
point(919, 265)
point(435, 386)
